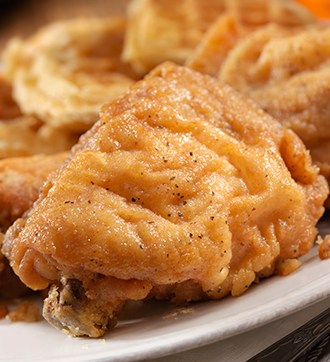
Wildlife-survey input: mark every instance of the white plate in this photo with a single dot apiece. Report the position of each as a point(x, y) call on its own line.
point(154, 329)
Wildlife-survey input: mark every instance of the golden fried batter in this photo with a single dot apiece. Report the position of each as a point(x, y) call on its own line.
point(20, 182)
point(27, 135)
point(65, 71)
point(217, 42)
point(288, 75)
point(241, 18)
point(160, 30)
point(183, 186)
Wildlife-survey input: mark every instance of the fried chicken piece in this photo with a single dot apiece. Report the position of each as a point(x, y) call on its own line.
point(20, 182)
point(21, 179)
point(160, 30)
point(183, 187)
point(66, 70)
point(27, 136)
point(22, 135)
point(288, 75)
point(242, 18)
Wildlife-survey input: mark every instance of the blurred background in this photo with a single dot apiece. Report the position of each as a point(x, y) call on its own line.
point(23, 17)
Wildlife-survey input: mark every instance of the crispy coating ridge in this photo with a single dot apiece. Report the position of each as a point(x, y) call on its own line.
point(274, 59)
point(160, 30)
point(182, 182)
point(218, 41)
point(242, 18)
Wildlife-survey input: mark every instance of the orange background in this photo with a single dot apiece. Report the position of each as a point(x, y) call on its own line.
point(321, 8)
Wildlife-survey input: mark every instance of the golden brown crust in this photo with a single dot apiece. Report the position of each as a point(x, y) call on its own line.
point(160, 30)
point(27, 136)
point(20, 182)
point(274, 59)
point(219, 39)
point(181, 180)
point(241, 18)
point(66, 71)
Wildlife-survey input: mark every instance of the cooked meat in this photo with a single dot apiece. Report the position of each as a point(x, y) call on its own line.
point(183, 187)
point(21, 179)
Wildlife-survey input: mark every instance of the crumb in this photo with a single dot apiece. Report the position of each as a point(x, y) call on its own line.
point(177, 312)
point(324, 247)
point(287, 266)
point(26, 311)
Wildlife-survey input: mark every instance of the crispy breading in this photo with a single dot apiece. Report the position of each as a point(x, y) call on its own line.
point(217, 42)
point(160, 30)
point(20, 182)
point(21, 179)
point(241, 18)
point(66, 70)
point(183, 185)
point(27, 136)
point(288, 74)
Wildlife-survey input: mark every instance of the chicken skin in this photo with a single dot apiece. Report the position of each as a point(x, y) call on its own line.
point(288, 75)
point(183, 190)
point(21, 179)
